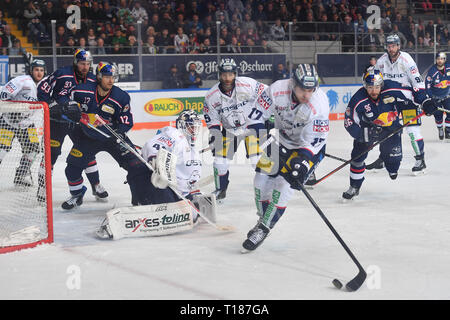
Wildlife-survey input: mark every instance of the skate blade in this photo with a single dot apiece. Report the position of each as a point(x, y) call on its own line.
point(245, 251)
point(348, 200)
point(418, 173)
point(101, 199)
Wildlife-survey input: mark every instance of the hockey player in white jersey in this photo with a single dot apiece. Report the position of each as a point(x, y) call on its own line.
point(399, 66)
point(21, 126)
point(158, 209)
point(231, 115)
point(301, 113)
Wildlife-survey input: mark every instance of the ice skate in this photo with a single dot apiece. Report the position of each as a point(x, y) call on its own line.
point(99, 192)
point(350, 194)
point(311, 180)
point(220, 195)
point(75, 200)
point(419, 166)
point(376, 165)
point(257, 236)
point(393, 175)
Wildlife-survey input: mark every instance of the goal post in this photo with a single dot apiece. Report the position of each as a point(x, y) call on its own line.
point(26, 214)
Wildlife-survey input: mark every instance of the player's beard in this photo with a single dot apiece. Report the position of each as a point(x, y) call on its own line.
point(394, 56)
point(439, 65)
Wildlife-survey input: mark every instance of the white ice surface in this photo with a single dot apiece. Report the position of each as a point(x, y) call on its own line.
point(399, 230)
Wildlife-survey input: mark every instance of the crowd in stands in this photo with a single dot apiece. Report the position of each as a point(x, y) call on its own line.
point(246, 26)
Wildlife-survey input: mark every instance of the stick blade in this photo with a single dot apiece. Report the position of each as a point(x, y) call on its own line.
point(357, 281)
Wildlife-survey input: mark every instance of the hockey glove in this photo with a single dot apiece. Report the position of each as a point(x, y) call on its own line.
point(429, 107)
point(55, 111)
point(296, 176)
point(371, 134)
point(72, 111)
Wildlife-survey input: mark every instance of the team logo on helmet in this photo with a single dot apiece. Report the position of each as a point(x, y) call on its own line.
point(373, 77)
point(306, 76)
point(441, 55)
point(393, 39)
point(106, 69)
point(227, 65)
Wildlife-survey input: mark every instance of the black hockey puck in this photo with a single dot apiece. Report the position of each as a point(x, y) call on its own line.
point(337, 283)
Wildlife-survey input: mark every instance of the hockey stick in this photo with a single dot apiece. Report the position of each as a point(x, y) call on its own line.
point(359, 279)
point(368, 149)
point(334, 157)
point(443, 110)
point(121, 141)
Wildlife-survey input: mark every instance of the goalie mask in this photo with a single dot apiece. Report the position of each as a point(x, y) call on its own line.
point(189, 123)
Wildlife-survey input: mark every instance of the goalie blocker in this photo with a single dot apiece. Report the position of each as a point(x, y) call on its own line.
point(156, 220)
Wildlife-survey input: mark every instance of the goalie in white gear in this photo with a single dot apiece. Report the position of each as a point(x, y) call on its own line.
point(301, 113)
point(177, 165)
point(232, 115)
point(399, 66)
point(19, 125)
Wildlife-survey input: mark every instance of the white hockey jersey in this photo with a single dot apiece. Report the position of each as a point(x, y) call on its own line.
point(189, 164)
point(404, 70)
point(21, 88)
point(300, 125)
point(238, 111)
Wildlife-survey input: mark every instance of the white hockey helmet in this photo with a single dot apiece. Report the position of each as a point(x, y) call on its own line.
point(306, 76)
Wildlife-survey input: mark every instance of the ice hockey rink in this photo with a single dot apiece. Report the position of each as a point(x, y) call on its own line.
point(399, 231)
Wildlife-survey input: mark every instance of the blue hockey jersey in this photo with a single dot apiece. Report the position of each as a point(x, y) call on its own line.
point(437, 83)
point(59, 84)
point(114, 109)
point(362, 111)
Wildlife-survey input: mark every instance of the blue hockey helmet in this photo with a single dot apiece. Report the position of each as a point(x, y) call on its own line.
point(227, 65)
point(373, 77)
point(82, 55)
point(106, 69)
point(189, 123)
point(306, 76)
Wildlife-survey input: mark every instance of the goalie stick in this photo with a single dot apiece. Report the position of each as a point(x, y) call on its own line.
point(369, 148)
point(359, 279)
point(132, 150)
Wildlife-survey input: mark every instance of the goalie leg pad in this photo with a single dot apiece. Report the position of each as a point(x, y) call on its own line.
point(147, 221)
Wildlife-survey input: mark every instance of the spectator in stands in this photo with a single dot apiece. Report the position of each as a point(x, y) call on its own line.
point(277, 31)
point(82, 43)
point(206, 47)
point(119, 38)
point(263, 29)
point(430, 27)
point(280, 73)
point(100, 49)
point(149, 46)
point(7, 39)
point(235, 22)
point(91, 39)
point(164, 42)
point(370, 42)
point(271, 13)
point(181, 41)
point(132, 45)
point(96, 13)
point(427, 39)
point(109, 11)
point(224, 34)
point(139, 13)
point(31, 12)
point(69, 46)
point(221, 11)
point(192, 78)
point(208, 22)
point(155, 22)
point(193, 45)
point(248, 23)
point(167, 23)
point(117, 49)
point(173, 80)
point(348, 39)
point(284, 14)
point(16, 49)
point(207, 34)
point(445, 35)
point(49, 13)
point(259, 14)
point(36, 29)
point(222, 20)
point(400, 34)
point(235, 5)
point(324, 28)
point(234, 46)
point(426, 6)
point(265, 46)
point(194, 24)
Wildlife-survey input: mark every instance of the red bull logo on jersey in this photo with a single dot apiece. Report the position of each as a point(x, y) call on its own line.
point(164, 107)
point(442, 84)
point(386, 119)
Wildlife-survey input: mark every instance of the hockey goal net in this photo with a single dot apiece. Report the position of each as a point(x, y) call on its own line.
point(25, 175)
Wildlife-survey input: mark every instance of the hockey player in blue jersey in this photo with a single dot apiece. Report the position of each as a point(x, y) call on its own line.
point(372, 115)
point(437, 84)
point(53, 90)
point(113, 105)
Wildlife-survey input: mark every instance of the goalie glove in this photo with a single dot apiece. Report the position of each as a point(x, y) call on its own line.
point(164, 169)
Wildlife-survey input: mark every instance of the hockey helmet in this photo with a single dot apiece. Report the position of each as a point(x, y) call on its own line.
point(38, 63)
point(306, 76)
point(106, 69)
point(189, 123)
point(373, 77)
point(227, 65)
point(82, 55)
point(393, 39)
point(441, 55)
